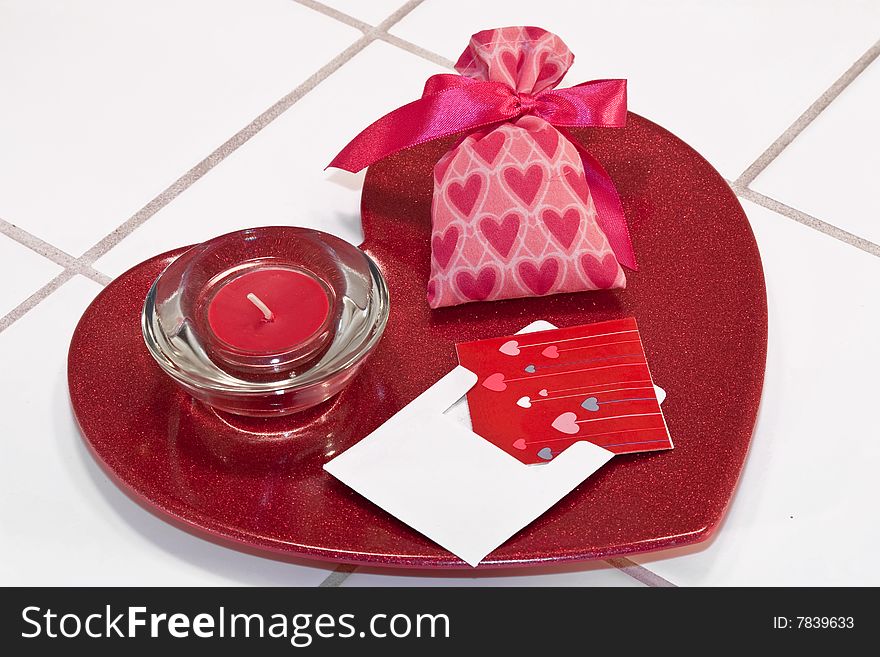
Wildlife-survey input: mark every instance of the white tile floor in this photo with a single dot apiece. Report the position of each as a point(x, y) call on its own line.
point(114, 102)
point(107, 104)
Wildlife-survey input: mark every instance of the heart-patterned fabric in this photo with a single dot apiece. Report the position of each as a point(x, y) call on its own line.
point(512, 213)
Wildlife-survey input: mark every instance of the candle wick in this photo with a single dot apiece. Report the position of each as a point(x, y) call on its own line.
point(268, 315)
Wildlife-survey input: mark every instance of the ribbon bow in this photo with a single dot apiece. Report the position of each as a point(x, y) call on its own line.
point(453, 104)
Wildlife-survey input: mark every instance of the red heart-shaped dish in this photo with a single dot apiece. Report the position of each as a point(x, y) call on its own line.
point(700, 302)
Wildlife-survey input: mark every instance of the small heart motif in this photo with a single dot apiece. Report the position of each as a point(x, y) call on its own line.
point(601, 273)
point(524, 402)
point(512, 62)
point(495, 382)
point(563, 227)
point(551, 352)
point(590, 404)
point(489, 146)
point(525, 184)
point(546, 453)
point(443, 246)
point(465, 196)
point(549, 70)
point(530, 369)
point(566, 423)
point(543, 392)
point(519, 444)
point(510, 348)
point(501, 234)
point(476, 288)
point(539, 280)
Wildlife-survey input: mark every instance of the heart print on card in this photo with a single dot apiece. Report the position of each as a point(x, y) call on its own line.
point(538, 393)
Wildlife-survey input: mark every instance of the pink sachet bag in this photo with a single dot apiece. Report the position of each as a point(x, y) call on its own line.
point(515, 213)
point(512, 213)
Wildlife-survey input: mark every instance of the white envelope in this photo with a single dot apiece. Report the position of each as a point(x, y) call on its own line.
point(456, 488)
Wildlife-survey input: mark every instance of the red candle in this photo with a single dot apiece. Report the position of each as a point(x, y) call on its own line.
point(268, 310)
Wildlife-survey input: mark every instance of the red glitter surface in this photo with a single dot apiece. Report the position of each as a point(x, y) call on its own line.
point(258, 485)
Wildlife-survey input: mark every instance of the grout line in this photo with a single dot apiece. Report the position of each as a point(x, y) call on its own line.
point(640, 573)
point(424, 53)
point(51, 252)
point(378, 33)
point(21, 309)
point(806, 219)
point(36, 245)
point(338, 576)
point(366, 28)
point(808, 116)
point(99, 277)
point(335, 13)
point(398, 14)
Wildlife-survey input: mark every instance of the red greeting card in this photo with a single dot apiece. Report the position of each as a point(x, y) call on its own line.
point(537, 393)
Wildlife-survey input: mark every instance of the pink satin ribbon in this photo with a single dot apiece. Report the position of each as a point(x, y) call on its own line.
point(452, 104)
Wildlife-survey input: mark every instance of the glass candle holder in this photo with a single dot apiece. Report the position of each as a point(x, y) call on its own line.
point(266, 321)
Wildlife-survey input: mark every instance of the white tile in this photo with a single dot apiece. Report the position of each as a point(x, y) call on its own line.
point(831, 169)
point(372, 12)
point(106, 103)
point(727, 77)
point(63, 522)
point(23, 272)
point(278, 176)
point(590, 574)
point(805, 512)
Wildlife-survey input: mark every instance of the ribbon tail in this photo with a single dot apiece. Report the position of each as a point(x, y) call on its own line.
point(453, 110)
point(609, 210)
